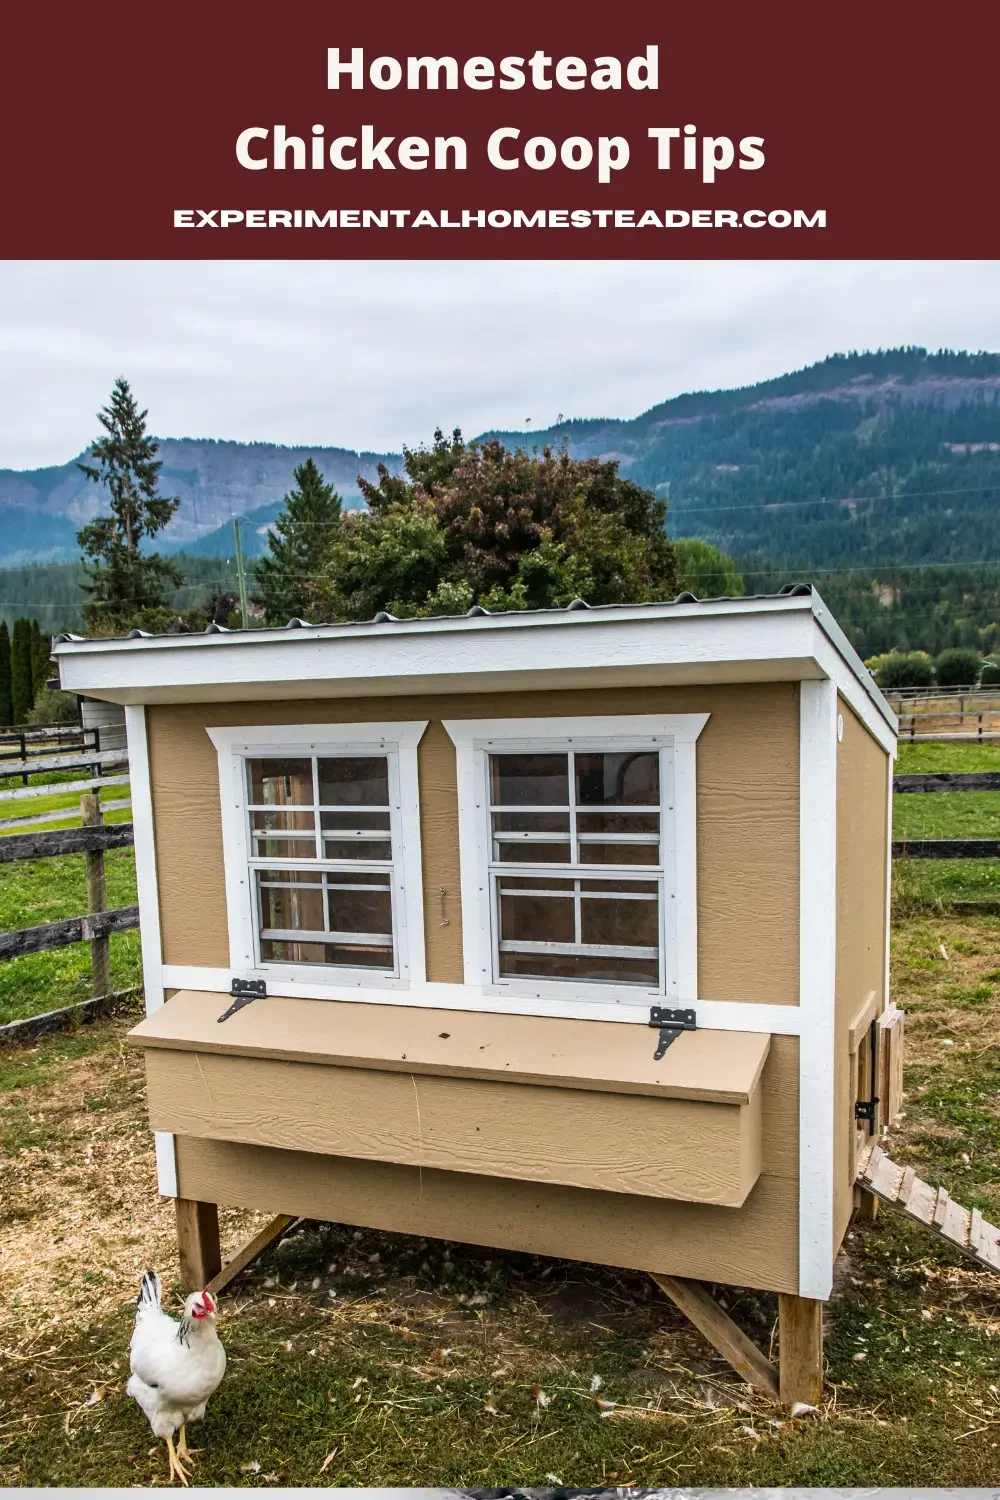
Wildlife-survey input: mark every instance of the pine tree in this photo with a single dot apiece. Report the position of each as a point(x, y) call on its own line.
point(6, 705)
point(123, 580)
point(22, 696)
point(41, 656)
point(298, 547)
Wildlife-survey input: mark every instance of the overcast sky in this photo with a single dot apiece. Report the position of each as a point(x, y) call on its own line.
point(371, 355)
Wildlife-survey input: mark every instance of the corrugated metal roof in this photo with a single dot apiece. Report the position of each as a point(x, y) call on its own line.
point(796, 590)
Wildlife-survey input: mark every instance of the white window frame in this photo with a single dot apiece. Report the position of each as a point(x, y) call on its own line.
point(474, 740)
point(237, 744)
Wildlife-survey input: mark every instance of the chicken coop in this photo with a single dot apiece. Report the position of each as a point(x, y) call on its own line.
point(560, 931)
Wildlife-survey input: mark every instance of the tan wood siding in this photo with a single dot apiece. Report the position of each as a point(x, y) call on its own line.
point(619, 1143)
point(862, 788)
point(747, 820)
point(756, 1245)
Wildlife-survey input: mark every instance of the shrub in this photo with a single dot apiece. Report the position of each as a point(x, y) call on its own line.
point(52, 706)
point(990, 674)
point(902, 669)
point(959, 666)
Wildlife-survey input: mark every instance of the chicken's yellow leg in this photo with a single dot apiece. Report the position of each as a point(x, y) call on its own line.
point(184, 1453)
point(175, 1469)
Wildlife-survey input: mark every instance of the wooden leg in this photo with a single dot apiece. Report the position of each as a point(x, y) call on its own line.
point(720, 1330)
point(867, 1205)
point(800, 1349)
point(197, 1243)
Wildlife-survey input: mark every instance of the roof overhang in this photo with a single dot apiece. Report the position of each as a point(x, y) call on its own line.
point(780, 638)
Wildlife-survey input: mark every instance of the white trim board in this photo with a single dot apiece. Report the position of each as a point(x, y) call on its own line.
point(397, 739)
point(149, 910)
point(817, 982)
point(713, 1015)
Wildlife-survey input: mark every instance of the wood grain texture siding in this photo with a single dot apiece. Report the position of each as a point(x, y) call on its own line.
point(862, 771)
point(747, 819)
point(619, 1143)
point(755, 1246)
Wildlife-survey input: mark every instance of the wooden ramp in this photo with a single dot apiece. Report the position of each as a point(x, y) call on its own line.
point(964, 1228)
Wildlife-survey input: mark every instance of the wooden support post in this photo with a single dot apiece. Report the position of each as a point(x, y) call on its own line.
point(720, 1330)
point(97, 900)
point(197, 1243)
point(865, 1205)
point(800, 1349)
point(269, 1235)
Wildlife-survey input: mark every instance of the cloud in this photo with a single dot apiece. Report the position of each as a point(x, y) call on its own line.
point(374, 354)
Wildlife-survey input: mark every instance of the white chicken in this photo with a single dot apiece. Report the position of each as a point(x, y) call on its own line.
point(176, 1365)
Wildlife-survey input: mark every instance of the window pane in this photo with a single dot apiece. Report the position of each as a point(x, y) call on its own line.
point(303, 847)
point(618, 822)
point(521, 852)
point(618, 779)
point(510, 883)
point(536, 919)
point(349, 819)
point(343, 955)
point(281, 781)
point(529, 780)
point(619, 923)
point(619, 854)
point(587, 968)
point(290, 900)
point(354, 780)
point(531, 822)
point(280, 820)
point(368, 910)
point(357, 849)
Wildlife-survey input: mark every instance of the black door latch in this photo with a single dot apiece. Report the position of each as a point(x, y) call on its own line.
point(244, 991)
point(670, 1024)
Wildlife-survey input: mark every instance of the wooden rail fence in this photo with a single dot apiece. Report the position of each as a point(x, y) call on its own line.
point(96, 927)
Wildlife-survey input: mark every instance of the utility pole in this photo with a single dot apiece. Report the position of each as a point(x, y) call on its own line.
point(241, 574)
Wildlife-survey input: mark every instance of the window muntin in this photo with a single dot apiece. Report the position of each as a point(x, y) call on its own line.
point(573, 923)
point(323, 852)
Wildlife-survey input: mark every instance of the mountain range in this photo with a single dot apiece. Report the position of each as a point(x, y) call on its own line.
point(870, 460)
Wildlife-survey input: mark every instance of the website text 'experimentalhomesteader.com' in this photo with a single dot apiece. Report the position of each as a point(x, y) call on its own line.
point(499, 218)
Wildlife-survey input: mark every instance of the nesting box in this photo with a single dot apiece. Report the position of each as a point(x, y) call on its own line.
point(562, 931)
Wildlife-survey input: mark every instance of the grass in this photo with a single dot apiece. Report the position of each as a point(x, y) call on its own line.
point(935, 884)
point(45, 890)
point(30, 806)
point(359, 1358)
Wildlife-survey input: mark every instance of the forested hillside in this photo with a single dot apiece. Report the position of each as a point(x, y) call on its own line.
point(874, 475)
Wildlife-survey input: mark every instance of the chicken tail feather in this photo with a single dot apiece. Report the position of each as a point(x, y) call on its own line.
point(148, 1299)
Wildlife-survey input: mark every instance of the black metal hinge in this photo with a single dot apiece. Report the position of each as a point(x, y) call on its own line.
point(864, 1109)
point(244, 992)
point(670, 1023)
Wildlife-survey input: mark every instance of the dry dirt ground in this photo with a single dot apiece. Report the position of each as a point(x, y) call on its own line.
point(364, 1358)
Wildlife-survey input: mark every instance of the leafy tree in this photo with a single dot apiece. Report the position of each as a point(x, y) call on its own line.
point(707, 572)
point(957, 667)
point(6, 702)
point(298, 546)
point(22, 696)
point(123, 580)
point(902, 669)
point(480, 523)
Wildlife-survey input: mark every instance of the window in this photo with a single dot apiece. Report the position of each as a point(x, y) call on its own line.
point(322, 860)
point(578, 857)
point(566, 812)
point(322, 848)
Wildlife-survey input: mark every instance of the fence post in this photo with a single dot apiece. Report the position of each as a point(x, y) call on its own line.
point(97, 899)
point(24, 757)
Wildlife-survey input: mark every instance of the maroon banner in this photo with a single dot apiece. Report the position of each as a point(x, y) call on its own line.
point(782, 130)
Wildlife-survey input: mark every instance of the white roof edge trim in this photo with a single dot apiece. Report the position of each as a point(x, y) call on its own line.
point(438, 624)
